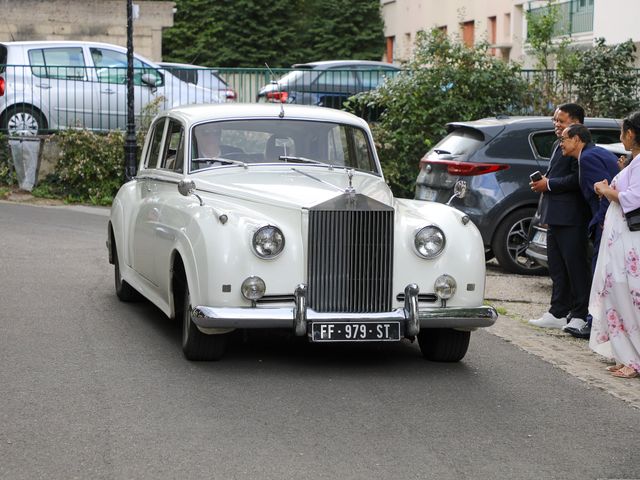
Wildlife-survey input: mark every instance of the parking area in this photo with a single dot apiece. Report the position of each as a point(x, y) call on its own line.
point(519, 298)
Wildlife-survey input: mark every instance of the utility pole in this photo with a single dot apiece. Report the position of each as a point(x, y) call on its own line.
point(130, 144)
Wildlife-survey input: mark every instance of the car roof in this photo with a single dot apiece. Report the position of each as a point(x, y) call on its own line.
point(197, 113)
point(183, 65)
point(502, 121)
point(344, 63)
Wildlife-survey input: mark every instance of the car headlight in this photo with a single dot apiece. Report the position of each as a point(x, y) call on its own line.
point(429, 241)
point(445, 287)
point(268, 241)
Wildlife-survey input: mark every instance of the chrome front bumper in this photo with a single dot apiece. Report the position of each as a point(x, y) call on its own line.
point(411, 318)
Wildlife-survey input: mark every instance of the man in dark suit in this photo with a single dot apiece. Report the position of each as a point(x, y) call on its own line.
point(563, 209)
point(594, 164)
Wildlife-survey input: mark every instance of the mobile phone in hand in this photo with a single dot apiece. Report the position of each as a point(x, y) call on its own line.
point(535, 176)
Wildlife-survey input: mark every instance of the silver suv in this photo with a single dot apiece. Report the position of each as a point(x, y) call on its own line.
point(51, 85)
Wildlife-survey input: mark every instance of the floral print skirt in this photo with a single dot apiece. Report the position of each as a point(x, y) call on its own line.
point(615, 292)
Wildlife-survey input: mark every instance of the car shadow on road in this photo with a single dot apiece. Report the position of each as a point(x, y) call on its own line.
point(282, 349)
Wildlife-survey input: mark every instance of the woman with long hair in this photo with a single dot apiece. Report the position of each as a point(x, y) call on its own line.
point(615, 292)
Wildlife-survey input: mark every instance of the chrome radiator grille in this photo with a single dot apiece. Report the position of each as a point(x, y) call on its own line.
point(350, 262)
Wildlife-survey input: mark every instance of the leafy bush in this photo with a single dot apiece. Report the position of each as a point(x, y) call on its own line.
point(444, 81)
point(7, 170)
point(90, 168)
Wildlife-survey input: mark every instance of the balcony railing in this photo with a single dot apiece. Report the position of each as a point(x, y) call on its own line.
point(574, 16)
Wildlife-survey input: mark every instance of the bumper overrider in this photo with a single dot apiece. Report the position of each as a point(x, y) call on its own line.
point(300, 317)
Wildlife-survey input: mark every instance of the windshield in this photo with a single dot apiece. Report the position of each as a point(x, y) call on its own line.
point(280, 141)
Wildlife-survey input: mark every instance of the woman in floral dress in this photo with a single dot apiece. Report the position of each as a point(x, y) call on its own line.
point(615, 293)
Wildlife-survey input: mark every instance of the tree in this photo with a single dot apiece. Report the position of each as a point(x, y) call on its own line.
point(444, 81)
point(602, 78)
point(250, 33)
point(232, 33)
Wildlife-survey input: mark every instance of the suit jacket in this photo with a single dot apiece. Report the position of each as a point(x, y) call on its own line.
point(563, 203)
point(596, 164)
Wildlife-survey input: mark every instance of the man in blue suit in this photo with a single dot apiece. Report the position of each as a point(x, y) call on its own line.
point(594, 165)
point(563, 209)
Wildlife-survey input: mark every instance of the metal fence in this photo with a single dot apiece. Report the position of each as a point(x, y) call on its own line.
point(38, 99)
point(43, 98)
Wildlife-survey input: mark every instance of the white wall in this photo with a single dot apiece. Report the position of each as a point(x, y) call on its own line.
point(616, 20)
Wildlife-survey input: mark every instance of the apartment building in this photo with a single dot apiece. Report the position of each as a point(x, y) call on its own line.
point(503, 23)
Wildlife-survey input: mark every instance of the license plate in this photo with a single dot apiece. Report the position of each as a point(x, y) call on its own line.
point(540, 238)
point(355, 331)
point(429, 194)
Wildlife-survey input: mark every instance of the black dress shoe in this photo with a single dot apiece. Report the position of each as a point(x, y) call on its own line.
point(584, 332)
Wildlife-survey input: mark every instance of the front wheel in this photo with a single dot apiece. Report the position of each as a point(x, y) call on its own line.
point(198, 346)
point(443, 344)
point(511, 241)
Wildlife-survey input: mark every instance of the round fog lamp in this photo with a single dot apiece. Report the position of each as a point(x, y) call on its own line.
point(445, 287)
point(253, 288)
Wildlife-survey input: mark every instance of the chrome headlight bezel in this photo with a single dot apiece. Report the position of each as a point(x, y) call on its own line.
point(423, 242)
point(268, 242)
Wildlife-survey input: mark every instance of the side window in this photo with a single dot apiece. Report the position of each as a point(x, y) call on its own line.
point(371, 77)
point(605, 136)
point(154, 146)
point(336, 80)
point(543, 143)
point(63, 63)
point(172, 157)
point(362, 154)
point(111, 67)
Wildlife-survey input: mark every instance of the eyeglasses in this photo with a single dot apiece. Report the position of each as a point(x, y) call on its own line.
point(564, 139)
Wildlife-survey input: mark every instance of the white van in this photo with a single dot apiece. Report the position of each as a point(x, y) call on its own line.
point(50, 85)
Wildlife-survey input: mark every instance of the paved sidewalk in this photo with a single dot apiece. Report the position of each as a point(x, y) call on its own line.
point(520, 298)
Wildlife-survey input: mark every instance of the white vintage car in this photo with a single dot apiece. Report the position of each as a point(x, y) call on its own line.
point(278, 217)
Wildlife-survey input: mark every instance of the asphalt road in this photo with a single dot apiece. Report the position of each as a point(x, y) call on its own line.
point(94, 388)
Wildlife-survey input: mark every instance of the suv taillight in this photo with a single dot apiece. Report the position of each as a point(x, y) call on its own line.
point(277, 97)
point(1, 86)
point(466, 169)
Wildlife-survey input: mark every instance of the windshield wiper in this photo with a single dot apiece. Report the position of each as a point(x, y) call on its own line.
point(304, 160)
point(441, 152)
point(226, 161)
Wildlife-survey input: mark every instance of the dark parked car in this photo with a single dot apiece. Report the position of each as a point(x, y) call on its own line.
point(537, 247)
point(328, 83)
point(496, 156)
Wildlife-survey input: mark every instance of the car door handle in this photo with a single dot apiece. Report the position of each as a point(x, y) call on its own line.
point(43, 85)
point(108, 91)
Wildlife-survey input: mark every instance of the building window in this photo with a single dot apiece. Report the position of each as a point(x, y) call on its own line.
point(389, 50)
point(468, 33)
point(492, 33)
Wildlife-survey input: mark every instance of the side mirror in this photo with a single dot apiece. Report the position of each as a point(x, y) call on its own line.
point(459, 190)
point(188, 188)
point(150, 80)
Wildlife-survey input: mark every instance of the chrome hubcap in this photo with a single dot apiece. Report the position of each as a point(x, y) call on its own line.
point(22, 124)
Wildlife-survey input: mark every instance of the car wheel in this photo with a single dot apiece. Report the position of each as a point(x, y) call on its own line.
point(443, 344)
point(510, 243)
point(124, 291)
point(198, 346)
point(23, 120)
